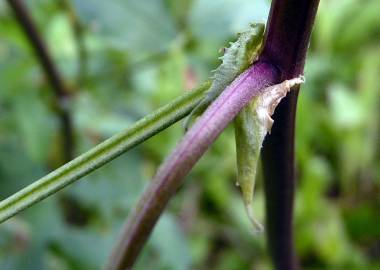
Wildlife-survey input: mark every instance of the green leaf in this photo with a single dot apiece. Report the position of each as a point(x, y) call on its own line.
point(219, 19)
point(340, 99)
point(37, 131)
point(171, 244)
point(139, 26)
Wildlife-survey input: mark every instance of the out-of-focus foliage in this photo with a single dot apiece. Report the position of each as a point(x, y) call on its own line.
point(142, 54)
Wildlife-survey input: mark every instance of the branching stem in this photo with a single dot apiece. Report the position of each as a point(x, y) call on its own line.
point(193, 145)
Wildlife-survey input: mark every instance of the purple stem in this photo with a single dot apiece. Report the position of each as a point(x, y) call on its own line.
point(287, 39)
point(193, 145)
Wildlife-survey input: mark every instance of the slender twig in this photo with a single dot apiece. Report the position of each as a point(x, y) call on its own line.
point(287, 40)
point(194, 144)
point(61, 93)
point(101, 154)
point(78, 32)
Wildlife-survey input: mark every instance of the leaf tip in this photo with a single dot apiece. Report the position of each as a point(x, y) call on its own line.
point(258, 228)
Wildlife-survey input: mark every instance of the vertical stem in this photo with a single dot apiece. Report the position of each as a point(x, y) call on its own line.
point(287, 39)
point(61, 93)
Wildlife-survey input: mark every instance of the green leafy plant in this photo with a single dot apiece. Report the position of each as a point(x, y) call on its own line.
point(281, 59)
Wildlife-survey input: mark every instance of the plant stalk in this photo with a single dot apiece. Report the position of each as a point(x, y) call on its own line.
point(194, 144)
point(102, 153)
point(287, 39)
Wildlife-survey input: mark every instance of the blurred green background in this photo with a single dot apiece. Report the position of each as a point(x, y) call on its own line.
point(139, 55)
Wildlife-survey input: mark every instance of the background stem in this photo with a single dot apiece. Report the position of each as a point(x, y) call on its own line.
point(287, 39)
point(61, 93)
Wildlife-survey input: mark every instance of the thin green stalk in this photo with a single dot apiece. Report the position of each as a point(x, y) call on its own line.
point(102, 153)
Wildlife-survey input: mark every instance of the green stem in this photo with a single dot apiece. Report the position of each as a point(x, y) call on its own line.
point(102, 153)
